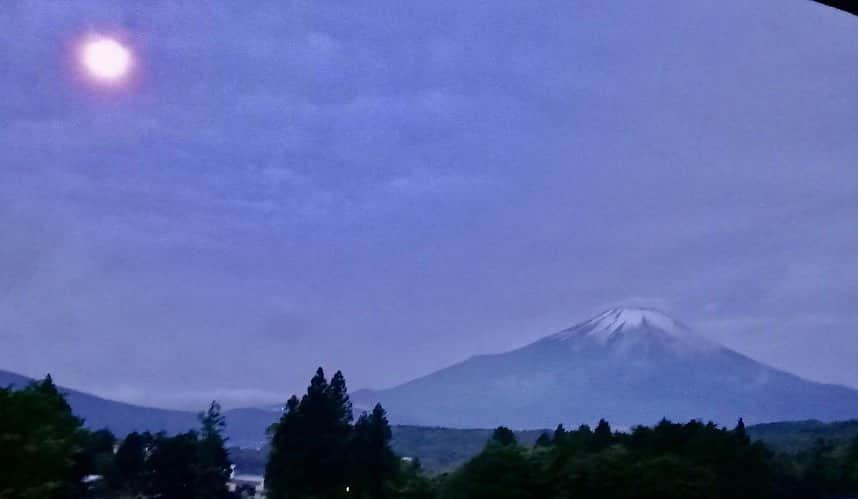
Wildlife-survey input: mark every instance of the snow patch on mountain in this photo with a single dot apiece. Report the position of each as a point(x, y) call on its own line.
point(624, 326)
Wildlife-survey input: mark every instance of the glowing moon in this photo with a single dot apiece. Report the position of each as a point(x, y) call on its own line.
point(106, 59)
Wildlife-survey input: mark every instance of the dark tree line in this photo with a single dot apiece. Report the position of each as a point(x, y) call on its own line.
point(316, 451)
point(692, 460)
point(46, 453)
point(191, 465)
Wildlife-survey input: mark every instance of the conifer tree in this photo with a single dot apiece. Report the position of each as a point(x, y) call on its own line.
point(341, 406)
point(373, 465)
point(214, 464)
point(740, 431)
point(338, 432)
point(284, 470)
point(309, 446)
point(602, 435)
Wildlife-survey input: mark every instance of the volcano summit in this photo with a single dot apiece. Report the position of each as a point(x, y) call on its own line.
point(628, 365)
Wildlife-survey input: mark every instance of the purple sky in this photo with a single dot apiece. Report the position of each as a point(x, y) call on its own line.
point(388, 187)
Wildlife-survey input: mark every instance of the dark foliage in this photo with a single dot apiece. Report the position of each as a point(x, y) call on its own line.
point(130, 461)
point(41, 444)
point(692, 460)
point(504, 436)
point(45, 453)
point(373, 466)
point(316, 452)
point(213, 465)
point(309, 445)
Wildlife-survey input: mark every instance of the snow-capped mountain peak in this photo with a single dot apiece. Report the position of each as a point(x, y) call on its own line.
point(619, 322)
point(617, 319)
point(627, 364)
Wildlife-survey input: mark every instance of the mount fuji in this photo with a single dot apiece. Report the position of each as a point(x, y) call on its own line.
point(627, 365)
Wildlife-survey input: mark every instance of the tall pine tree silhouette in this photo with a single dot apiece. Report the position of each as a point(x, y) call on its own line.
point(373, 464)
point(285, 461)
point(310, 442)
point(214, 465)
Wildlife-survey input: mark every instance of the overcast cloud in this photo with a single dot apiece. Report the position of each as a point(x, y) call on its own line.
point(388, 187)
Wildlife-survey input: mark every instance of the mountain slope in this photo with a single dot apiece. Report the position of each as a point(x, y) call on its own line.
point(631, 366)
point(245, 427)
point(628, 365)
point(121, 418)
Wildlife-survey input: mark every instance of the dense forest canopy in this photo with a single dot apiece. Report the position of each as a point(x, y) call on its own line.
point(46, 453)
point(318, 450)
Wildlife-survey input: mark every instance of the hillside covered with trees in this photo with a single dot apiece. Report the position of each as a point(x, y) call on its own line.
point(46, 453)
point(317, 450)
